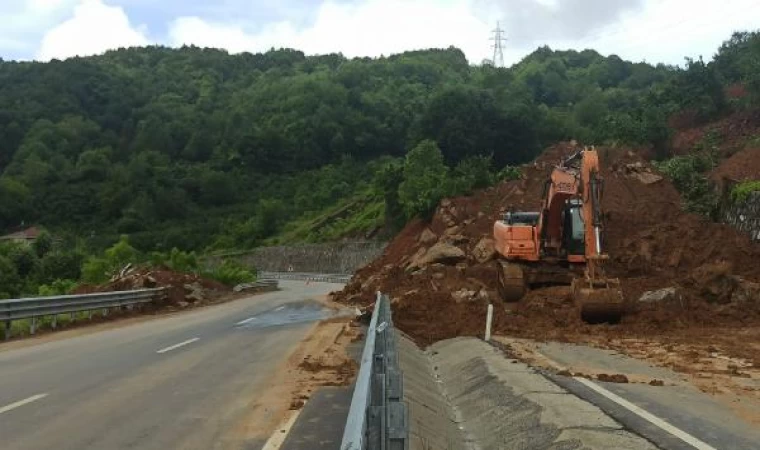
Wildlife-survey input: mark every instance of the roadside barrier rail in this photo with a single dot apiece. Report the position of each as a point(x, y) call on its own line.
point(305, 276)
point(378, 418)
point(36, 307)
point(263, 284)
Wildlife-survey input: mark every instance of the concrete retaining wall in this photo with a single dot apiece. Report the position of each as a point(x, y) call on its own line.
point(464, 394)
point(745, 216)
point(342, 257)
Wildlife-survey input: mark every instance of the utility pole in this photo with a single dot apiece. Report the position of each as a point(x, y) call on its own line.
point(498, 47)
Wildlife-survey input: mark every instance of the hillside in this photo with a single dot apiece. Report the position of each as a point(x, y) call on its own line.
point(195, 147)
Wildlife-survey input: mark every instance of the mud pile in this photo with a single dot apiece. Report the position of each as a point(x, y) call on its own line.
point(441, 275)
point(183, 289)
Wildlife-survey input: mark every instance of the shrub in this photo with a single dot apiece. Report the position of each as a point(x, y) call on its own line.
point(231, 273)
point(741, 191)
point(57, 287)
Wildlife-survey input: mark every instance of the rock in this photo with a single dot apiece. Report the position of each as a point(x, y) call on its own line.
point(439, 276)
point(183, 304)
point(746, 292)
point(427, 237)
point(615, 378)
point(462, 295)
point(659, 295)
point(462, 267)
point(192, 287)
point(452, 230)
point(456, 239)
point(195, 296)
point(715, 282)
point(648, 178)
point(484, 251)
point(481, 214)
point(453, 211)
point(149, 282)
point(439, 253)
point(445, 202)
point(483, 295)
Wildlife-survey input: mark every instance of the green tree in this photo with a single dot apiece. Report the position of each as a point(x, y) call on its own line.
point(425, 180)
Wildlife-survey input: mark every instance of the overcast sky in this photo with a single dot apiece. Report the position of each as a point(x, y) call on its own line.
point(650, 30)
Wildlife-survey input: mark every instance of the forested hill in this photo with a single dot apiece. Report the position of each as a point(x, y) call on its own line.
point(195, 147)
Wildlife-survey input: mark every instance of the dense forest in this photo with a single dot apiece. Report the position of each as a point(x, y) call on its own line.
point(199, 149)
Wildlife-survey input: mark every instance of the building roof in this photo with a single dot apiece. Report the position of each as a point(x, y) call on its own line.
point(29, 234)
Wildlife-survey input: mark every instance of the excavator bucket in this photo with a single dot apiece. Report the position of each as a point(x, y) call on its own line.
point(512, 286)
point(599, 300)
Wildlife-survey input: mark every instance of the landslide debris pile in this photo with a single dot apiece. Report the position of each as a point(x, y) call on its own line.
point(183, 289)
point(441, 275)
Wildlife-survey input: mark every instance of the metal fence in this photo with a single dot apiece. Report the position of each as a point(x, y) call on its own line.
point(378, 418)
point(264, 285)
point(305, 276)
point(36, 307)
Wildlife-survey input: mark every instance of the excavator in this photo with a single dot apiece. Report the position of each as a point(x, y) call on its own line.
point(562, 243)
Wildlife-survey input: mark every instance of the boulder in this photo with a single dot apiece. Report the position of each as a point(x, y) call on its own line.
point(427, 237)
point(439, 253)
point(659, 295)
point(484, 251)
point(463, 295)
point(746, 292)
point(452, 230)
point(648, 178)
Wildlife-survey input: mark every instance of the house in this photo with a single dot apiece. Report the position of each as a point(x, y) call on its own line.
point(27, 236)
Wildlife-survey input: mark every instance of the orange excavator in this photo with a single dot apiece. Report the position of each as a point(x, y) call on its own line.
point(562, 243)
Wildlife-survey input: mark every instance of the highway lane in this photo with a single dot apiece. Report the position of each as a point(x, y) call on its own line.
point(186, 381)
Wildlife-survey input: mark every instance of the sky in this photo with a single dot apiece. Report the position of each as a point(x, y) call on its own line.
point(639, 30)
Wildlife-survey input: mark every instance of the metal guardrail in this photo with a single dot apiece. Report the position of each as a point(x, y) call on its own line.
point(305, 276)
point(265, 284)
point(378, 418)
point(36, 307)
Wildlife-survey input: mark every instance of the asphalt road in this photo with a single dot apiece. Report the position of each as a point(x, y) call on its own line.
point(187, 381)
point(675, 416)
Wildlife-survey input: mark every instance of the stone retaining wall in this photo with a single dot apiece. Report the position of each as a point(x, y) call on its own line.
point(342, 257)
point(745, 216)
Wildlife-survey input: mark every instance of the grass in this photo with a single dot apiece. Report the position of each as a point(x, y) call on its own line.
point(350, 218)
point(21, 327)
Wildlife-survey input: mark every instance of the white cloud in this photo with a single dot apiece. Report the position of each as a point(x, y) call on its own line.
point(369, 28)
point(93, 29)
point(652, 30)
point(669, 30)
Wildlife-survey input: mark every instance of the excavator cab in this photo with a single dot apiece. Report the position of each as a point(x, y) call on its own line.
point(574, 231)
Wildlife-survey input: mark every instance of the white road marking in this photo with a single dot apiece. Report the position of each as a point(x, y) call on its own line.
point(19, 403)
point(280, 308)
point(646, 415)
point(278, 437)
point(172, 347)
point(243, 322)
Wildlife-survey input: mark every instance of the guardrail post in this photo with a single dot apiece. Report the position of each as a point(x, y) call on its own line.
point(33, 325)
point(72, 317)
point(54, 323)
point(8, 325)
point(89, 315)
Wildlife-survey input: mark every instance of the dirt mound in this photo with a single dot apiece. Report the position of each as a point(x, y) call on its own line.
point(653, 244)
point(183, 289)
point(743, 165)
